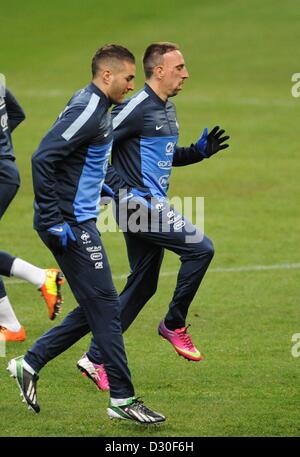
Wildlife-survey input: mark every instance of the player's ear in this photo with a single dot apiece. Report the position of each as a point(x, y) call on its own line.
point(158, 71)
point(107, 76)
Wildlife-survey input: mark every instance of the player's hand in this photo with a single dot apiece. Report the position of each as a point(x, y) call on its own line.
point(60, 235)
point(212, 142)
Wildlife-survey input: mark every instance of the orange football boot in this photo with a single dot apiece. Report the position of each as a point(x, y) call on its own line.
point(51, 291)
point(8, 335)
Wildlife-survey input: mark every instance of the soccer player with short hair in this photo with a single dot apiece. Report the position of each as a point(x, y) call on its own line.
point(69, 168)
point(145, 150)
point(47, 281)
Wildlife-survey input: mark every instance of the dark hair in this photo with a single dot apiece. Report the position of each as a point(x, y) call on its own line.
point(111, 52)
point(153, 56)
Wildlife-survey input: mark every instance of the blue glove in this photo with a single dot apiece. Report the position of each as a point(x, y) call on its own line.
point(60, 235)
point(212, 142)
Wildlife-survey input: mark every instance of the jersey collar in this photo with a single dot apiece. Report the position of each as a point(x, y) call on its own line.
point(99, 92)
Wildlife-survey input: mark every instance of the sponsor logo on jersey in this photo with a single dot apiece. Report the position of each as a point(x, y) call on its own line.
point(164, 180)
point(170, 147)
point(164, 164)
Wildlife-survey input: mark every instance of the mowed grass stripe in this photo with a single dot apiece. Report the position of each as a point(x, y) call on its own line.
point(279, 266)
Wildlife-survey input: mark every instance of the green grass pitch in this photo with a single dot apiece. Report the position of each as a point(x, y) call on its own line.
point(241, 56)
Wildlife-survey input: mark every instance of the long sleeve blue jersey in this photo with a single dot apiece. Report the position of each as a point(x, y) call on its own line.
point(145, 144)
point(11, 115)
point(70, 164)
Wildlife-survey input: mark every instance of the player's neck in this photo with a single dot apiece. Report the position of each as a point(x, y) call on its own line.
point(101, 86)
point(155, 86)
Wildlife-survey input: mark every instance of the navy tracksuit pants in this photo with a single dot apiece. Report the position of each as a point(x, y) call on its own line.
point(86, 268)
point(145, 249)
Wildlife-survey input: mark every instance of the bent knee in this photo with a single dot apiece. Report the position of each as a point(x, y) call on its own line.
point(151, 290)
point(204, 249)
point(148, 289)
point(209, 247)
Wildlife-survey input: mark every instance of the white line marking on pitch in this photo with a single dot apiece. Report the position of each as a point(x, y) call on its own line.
point(278, 266)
